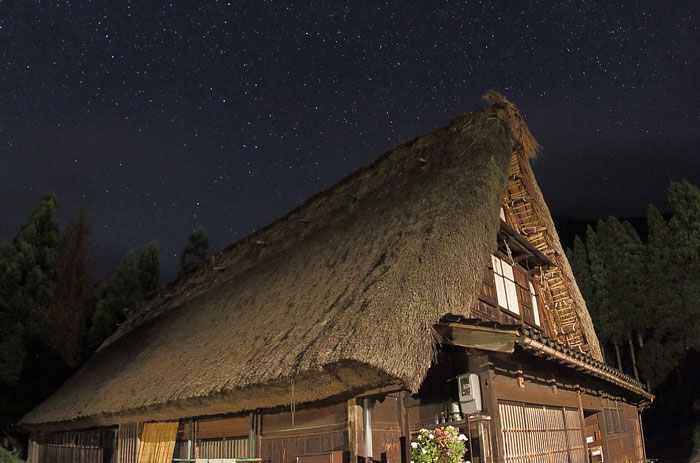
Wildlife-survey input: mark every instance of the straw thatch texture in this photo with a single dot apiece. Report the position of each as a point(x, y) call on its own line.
point(338, 296)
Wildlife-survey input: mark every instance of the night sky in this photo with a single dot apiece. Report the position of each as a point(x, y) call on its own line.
point(159, 117)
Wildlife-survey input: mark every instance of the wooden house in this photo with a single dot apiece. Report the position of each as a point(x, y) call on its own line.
point(427, 288)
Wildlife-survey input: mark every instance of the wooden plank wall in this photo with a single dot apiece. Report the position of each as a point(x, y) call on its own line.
point(94, 446)
point(625, 445)
point(313, 430)
point(287, 449)
point(386, 430)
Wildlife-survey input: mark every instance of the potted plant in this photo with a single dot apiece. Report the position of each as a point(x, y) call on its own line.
point(439, 445)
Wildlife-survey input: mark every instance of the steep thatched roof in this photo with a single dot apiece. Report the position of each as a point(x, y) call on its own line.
point(339, 295)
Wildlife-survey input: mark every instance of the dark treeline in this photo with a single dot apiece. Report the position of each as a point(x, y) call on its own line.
point(644, 298)
point(55, 311)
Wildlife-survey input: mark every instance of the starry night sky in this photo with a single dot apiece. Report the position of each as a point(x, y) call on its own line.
point(159, 117)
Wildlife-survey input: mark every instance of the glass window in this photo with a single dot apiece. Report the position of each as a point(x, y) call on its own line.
point(505, 285)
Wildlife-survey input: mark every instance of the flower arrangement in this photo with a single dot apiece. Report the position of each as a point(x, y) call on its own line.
point(441, 445)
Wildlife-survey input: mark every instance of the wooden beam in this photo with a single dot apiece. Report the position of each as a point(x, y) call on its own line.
point(479, 337)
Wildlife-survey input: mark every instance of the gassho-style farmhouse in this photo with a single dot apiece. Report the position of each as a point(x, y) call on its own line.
point(427, 289)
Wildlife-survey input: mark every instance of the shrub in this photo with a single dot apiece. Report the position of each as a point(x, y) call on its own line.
point(7, 457)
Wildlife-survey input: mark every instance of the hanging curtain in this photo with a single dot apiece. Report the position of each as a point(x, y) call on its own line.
point(158, 442)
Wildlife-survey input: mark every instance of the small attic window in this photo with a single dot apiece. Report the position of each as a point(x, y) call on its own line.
point(505, 285)
point(535, 309)
point(515, 290)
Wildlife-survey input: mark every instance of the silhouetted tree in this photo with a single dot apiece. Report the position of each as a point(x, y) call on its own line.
point(149, 268)
point(195, 250)
point(75, 288)
point(27, 279)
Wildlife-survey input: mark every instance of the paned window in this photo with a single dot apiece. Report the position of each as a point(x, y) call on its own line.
point(505, 285)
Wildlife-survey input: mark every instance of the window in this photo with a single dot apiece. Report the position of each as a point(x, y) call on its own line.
point(505, 285)
point(534, 304)
point(515, 291)
point(614, 419)
point(508, 294)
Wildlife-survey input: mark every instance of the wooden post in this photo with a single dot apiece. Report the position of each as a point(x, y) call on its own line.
point(405, 429)
point(354, 426)
point(32, 450)
point(251, 436)
point(582, 419)
point(479, 363)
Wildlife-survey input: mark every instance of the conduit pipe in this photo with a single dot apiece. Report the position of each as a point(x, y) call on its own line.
point(367, 428)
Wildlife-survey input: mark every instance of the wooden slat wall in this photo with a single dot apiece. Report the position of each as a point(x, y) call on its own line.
point(540, 434)
point(128, 438)
point(236, 447)
point(95, 446)
point(575, 433)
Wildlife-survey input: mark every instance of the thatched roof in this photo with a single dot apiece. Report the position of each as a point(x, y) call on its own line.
point(339, 295)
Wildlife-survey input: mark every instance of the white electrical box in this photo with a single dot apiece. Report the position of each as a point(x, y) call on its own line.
point(469, 393)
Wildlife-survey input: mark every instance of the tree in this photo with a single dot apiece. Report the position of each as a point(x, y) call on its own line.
point(610, 272)
point(75, 288)
point(673, 257)
point(133, 279)
point(195, 250)
point(120, 294)
point(27, 280)
point(149, 268)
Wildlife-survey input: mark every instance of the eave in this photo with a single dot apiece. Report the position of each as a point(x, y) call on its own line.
point(494, 337)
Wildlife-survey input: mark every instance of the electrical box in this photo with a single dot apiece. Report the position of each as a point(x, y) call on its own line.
point(469, 393)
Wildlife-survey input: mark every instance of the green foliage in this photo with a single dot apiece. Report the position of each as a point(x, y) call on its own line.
point(195, 250)
point(646, 292)
point(120, 294)
point(27, 278)
point(132, 280)
point(673, 263)
point(149, 268)
point(7, 457)
point(609, 269)
point(441, 445)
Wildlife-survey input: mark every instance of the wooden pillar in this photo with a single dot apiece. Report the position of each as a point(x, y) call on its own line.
point(405, 429)
point(354, 429)
point(479, 363)
point(251, 435)
point(32, 450)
